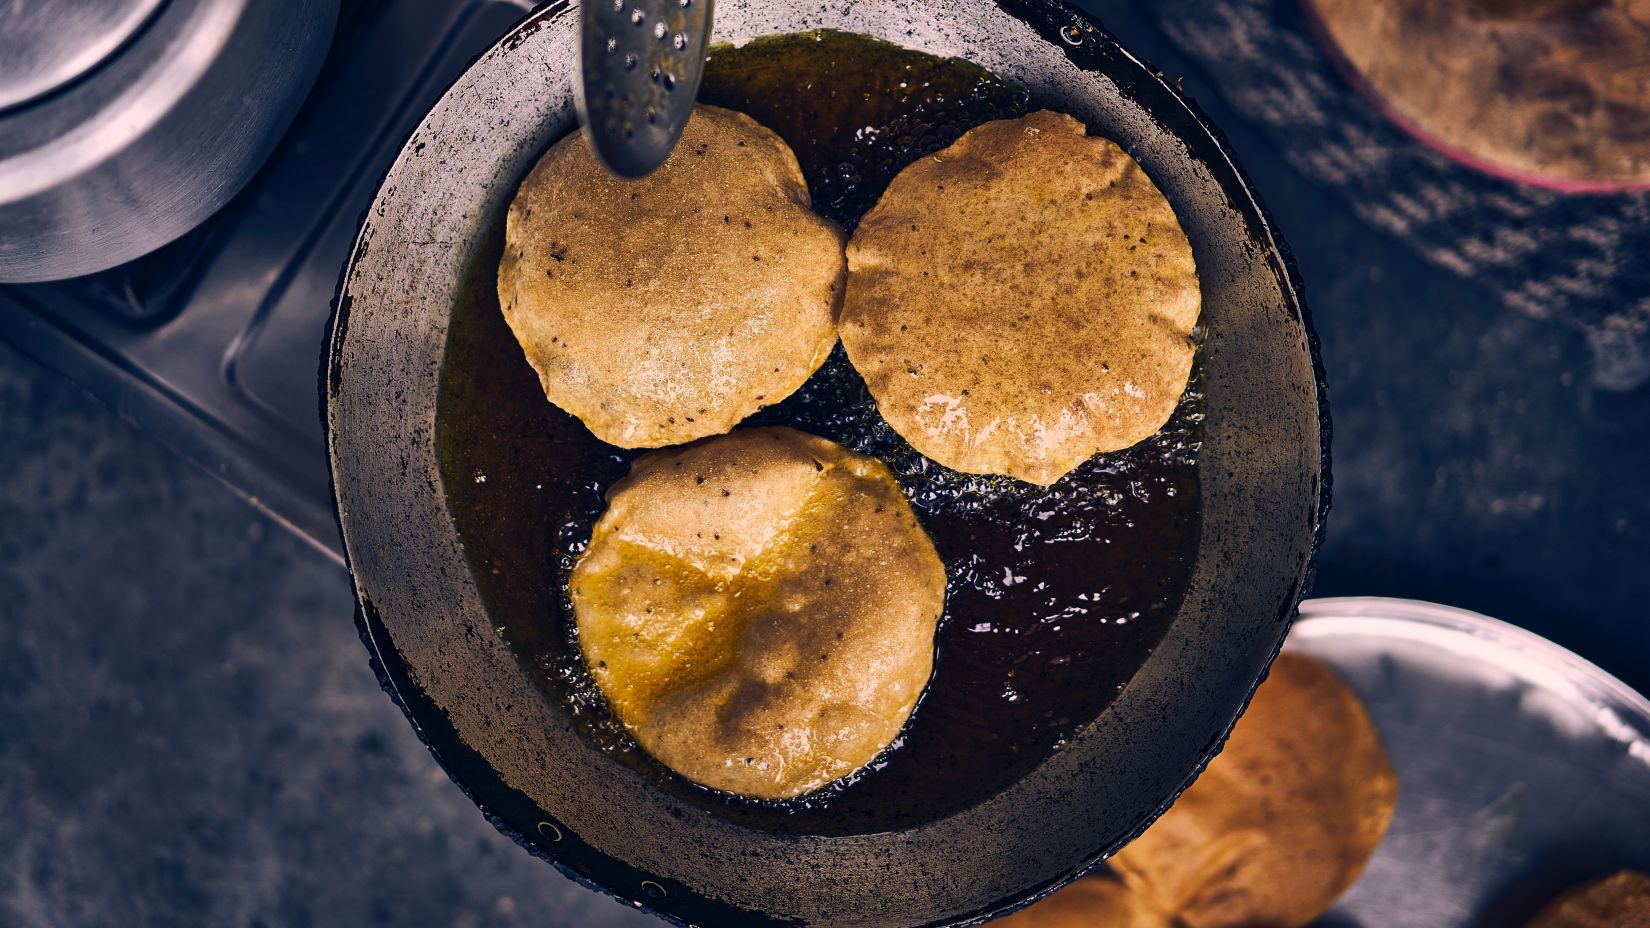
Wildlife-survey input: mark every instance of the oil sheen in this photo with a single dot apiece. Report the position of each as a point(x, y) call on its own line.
point(1055, 595)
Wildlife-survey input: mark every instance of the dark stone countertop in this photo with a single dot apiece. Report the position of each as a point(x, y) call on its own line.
point(189, 731)
point(190, 734)
point(1491, 409)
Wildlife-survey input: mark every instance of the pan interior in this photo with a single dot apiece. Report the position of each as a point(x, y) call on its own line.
point(1056, 595)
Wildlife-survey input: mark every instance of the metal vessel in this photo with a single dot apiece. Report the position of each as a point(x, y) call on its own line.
point(435, 230)
point(125, 124)
point(1522, 769)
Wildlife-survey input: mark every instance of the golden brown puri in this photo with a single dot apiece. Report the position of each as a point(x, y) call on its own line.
point(669, 308)
point(1091, 902)
point(1549, 87)
point(1022, 300)
point(1618, 901)
point(1284, 818)
point(759, 609)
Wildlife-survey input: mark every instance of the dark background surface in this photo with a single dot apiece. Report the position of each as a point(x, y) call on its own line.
point(190, 734)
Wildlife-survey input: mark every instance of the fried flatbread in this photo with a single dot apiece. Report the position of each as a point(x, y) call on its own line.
point(759, 610)
point(1022, 300)
point(1557, 89)
point(669, 308)
point(1621, 900)
point(1284, 818)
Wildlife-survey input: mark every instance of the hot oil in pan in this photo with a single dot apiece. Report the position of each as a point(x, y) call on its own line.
point(1056, 594)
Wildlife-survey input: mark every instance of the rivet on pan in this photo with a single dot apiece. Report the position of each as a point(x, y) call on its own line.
point(549, 830)
point(657, 892)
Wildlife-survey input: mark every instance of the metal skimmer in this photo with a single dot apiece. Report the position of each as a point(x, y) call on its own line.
point(641, 61)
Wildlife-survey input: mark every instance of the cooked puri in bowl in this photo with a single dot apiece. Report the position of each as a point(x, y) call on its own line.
point(1021, 300)
point(1620, 900)
point(1277, 828)
point(998, 575)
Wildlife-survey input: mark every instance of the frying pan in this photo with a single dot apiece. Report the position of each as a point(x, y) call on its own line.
point(518, 754)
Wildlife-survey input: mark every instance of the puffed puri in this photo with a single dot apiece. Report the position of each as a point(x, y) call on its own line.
point(1022, 300)
point(759, 610)
point(669, 308)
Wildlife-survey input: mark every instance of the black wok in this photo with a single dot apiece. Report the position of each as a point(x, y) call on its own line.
point(519, 754)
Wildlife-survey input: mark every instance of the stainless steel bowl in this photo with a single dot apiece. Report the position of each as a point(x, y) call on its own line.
point(1523, 770)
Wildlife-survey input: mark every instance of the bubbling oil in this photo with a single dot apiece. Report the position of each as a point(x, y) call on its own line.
point(1056, 595)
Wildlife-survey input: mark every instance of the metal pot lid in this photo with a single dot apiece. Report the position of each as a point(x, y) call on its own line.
point(45, 46)
point(156, 113)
